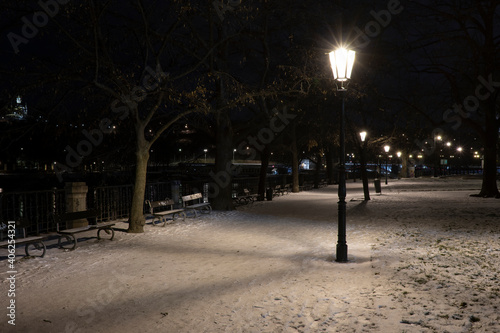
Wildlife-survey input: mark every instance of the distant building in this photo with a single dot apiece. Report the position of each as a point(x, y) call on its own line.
point(17, 110)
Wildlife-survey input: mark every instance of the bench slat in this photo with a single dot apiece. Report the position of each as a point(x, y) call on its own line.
point(24, 240)
point(87, 228)
point(162, 214)
point(197, 206)
point(69, 234)
point(168, 212)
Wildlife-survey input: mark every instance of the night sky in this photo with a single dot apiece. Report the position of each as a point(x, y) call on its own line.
point(72, 64)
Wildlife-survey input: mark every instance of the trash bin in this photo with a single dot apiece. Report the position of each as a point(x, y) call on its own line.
point(269, 194)
point(378, 189)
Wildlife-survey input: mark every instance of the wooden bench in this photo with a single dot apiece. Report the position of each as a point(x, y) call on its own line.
point(323, 183)
point(163, 208)
point(239, 199)
point(69, 234)
point(194, 203)
point(277, 191)
point(250, 196)
point(281, 190)
point(33, 245)
point(246, 197)
point(306, 186)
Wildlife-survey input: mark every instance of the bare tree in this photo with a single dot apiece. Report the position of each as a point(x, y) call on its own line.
point(461, 55)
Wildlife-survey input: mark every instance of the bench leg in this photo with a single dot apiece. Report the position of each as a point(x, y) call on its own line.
point(35, 248)
point(206, 209)
point(69, 239)
point(194, 211)
point(181, 214)
point(153, 222)
point(109, 231)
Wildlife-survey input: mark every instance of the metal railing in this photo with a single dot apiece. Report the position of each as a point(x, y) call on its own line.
point(111, 202)
point(36, 208)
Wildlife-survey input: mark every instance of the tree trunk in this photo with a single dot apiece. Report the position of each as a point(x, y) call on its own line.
point(330, 166)
point(489, 186)
point(137, 220)
point(364, 174)
point(221, 187)
point(295, 161)
point(264, 163)
point(317, 170)
point(404, 165)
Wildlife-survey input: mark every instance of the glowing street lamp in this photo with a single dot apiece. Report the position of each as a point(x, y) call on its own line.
point(342, 61)
point(364, 176)
point(386, 149)
point(363, 136)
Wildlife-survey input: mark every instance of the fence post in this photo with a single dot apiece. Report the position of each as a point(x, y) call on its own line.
point(76, 201)
point(176, 192)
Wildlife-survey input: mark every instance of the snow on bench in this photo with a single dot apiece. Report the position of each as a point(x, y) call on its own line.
point(32, 244)
point(194, 203)
point(308, 185)
point(69, 234)
point(163, 208)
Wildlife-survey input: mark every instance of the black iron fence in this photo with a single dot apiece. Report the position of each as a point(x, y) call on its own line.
point(34, 208)
point(37, 208)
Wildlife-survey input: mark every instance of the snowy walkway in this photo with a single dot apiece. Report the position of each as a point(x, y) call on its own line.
point(424, 257)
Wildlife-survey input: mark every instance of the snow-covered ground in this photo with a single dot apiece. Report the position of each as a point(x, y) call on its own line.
point(424, 257)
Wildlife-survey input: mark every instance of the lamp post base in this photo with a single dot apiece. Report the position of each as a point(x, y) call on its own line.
point(341, 253)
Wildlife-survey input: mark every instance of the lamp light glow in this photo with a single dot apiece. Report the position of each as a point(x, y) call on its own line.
point(363, 136)
point(342, 61)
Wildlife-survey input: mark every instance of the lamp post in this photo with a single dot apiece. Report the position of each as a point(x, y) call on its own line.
point(364, 176)
point(341, 61)
point(437, 149)
point(386, 148)
point(205, 150)
point(399, 161)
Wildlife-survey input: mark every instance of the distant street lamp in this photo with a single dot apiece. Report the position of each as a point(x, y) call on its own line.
point(364, 176)
point(342, 61)
point(399, 161)
point(205, 150)
point(386, 148)
point(437, 149)
point(234, 150)
point(363, 136)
